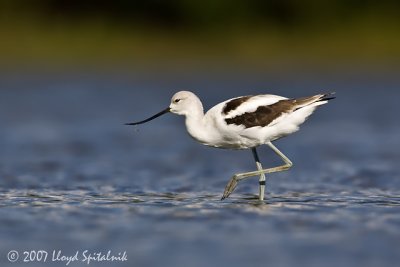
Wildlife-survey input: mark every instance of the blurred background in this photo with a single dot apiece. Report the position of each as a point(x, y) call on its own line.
point(73, 177)
point(185, 34)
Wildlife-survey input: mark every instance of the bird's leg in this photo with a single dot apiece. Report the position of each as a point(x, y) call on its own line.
point(261, 181)
point(240, 176)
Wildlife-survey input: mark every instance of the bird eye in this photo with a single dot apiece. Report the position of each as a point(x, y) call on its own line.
point(177, 100)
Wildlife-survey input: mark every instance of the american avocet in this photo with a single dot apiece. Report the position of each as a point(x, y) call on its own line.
point(244, 122)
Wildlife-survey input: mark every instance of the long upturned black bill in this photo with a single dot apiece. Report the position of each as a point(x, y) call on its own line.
point(151, 118)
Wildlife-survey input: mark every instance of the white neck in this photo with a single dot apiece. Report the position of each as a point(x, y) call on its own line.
point(196, 125)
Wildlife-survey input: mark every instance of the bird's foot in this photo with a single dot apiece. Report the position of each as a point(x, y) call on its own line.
point(230, 187)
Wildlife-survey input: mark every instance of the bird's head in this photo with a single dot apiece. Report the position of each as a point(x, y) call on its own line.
point(182, 103)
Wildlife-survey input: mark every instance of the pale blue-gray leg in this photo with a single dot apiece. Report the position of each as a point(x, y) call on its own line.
point(240, 176)
point(261, 181)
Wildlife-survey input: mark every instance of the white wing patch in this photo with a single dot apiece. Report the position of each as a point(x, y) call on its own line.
point(252, 104)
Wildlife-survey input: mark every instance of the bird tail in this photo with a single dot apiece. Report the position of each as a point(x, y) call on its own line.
point(327, 96)
point(315, 100)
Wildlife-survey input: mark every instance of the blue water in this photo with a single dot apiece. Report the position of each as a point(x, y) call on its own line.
point(74, 178)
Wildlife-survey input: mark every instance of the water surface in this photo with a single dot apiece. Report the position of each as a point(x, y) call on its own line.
point(73, 178)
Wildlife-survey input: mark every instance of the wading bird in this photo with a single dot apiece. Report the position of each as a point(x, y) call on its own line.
point(244, 122)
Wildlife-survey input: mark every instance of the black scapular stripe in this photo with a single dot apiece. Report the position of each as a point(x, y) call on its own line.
point(234, 103)
point(263, 116)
